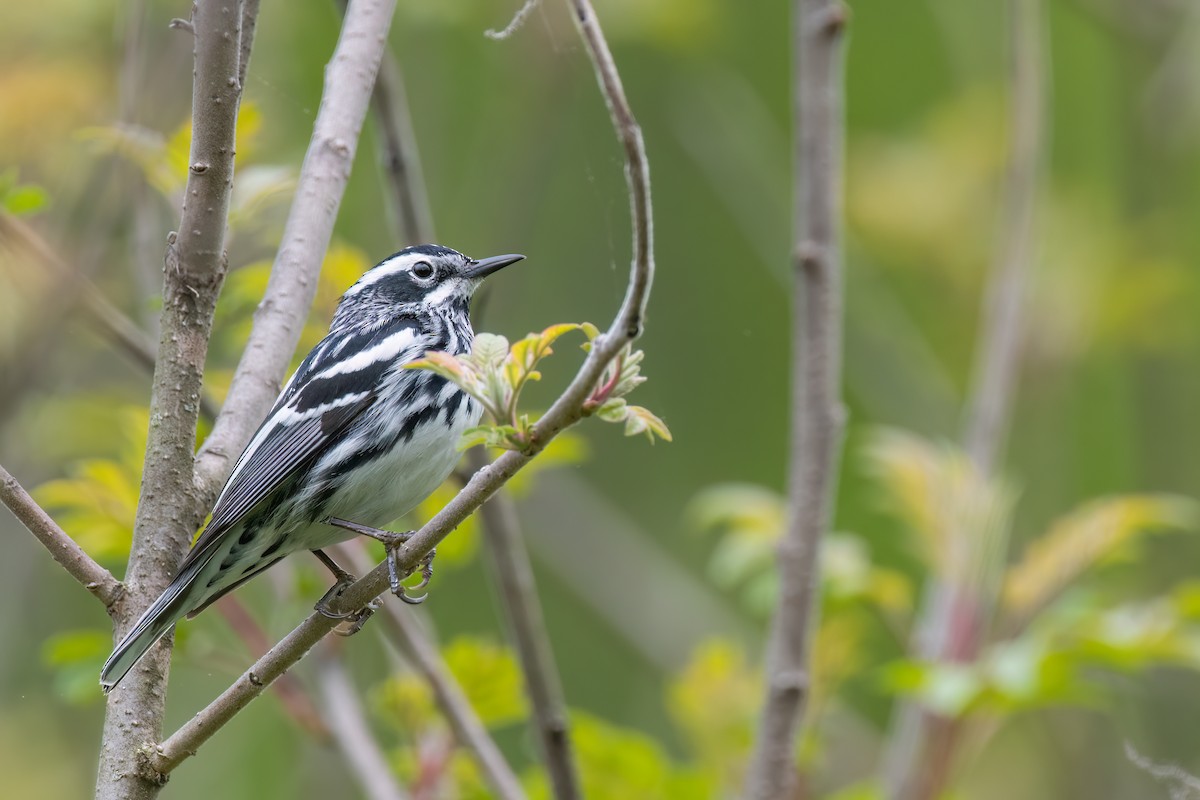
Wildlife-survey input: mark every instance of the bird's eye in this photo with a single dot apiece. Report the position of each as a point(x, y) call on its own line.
point(423, 270)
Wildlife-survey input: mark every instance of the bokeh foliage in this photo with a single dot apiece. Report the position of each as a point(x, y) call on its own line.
point(1094, 639)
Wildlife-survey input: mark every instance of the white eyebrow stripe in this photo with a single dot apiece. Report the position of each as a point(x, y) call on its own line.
point(384, 270)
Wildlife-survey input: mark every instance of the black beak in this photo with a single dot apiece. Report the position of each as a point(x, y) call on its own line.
point(486, 266)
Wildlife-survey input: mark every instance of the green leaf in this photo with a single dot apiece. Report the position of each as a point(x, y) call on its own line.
point(75, 658)
point(940, 495)
point(490, 678)
point(613, 410)
point(489, 349)
point(714, 703)
point(480, 434)
point(1087, 536)
point(26, 199)
point(640, 420)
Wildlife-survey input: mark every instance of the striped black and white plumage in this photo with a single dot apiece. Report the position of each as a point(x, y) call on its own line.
point(353, 435)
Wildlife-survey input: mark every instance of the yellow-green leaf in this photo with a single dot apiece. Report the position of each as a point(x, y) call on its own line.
point(1085, 537)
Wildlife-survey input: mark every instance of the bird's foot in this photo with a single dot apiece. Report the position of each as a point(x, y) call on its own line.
point(353, 623)
point(344, 579)
point(394, 542)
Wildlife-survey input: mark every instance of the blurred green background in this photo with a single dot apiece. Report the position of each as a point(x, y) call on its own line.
point(656, 585)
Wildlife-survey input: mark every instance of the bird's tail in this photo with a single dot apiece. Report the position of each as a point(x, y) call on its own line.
point(154, 624)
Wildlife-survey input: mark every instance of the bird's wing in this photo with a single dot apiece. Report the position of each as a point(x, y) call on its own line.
point(334, 384)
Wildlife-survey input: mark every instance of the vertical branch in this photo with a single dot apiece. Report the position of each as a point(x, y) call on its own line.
point(629, 320)
point(518, 593)
point(817, 414)
point(166, 519)
point(989, 404)
point(399, 157)
point(954, 617)
point(423, 656)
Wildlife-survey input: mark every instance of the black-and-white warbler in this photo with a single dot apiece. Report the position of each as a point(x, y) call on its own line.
point(354, 435)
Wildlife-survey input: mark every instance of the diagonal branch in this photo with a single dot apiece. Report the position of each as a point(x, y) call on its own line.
point(423, 656)
point(564, 412)
point(817, 415)
point(288, 689)
point(293, 282)
point(95, 578)
point(109, 321)
point(353, 737)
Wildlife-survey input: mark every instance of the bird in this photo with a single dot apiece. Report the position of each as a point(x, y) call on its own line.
point(353, 441)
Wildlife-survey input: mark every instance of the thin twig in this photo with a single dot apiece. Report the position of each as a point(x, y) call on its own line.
point(817, 417)
point(564, 412)
point(249, 23)
point(95, 578)
point(1181, 784)
point(354, 738)
point(515, 23)
point(293, 282)
point(398, 154)
point(423, 656)
point(989, 404)
point(637, 170)
point(518, 593)
point(167, 510)
point(957, 607)
point(109, 321)
point(290, 692)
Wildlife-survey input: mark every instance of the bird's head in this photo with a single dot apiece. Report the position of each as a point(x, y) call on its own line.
point(416, 280)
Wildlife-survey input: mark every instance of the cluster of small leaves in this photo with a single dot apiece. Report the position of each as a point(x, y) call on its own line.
point(1054, 628)
point(749, 520)
point(495, 373)
point(608, 403)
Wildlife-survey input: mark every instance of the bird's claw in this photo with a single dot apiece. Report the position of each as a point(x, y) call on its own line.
point(323, 605)
point(395, 578)
point(354, 622)
point(393, 542)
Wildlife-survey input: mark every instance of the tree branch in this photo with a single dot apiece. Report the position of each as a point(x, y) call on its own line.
point(628, 324)
point(167, 511)
point(63, 549)
point(817, 414)
point(109, 321)
point(956, 610)
point(359, 748)
point(564, 412)
point(288, 690)
point(518, 594)
point(423, 656)
point(399, 157)
point(293, 282)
